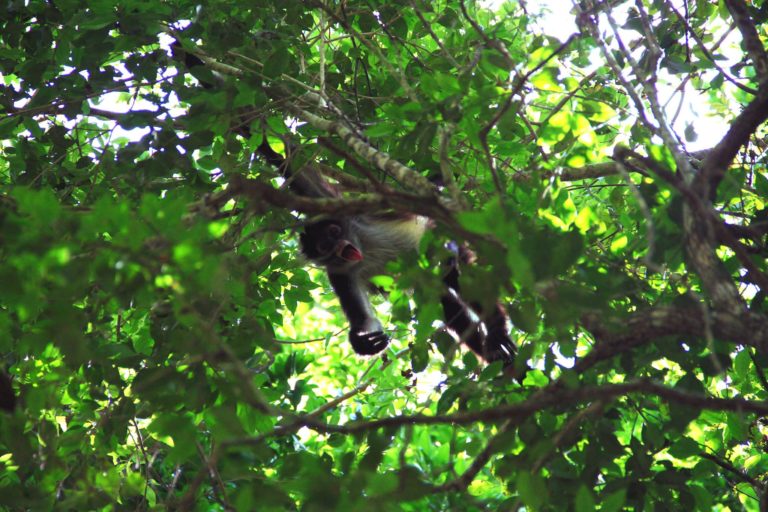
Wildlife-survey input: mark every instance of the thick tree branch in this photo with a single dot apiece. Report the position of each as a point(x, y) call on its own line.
point(261, 194)
point(399, 172)
point(745, 124)
point(685, 322)
point(605, 169)
point(700, 243)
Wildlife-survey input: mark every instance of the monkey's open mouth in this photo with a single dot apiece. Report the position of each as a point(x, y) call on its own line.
point(349, 252)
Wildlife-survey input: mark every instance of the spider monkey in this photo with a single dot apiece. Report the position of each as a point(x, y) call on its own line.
point(354, 248)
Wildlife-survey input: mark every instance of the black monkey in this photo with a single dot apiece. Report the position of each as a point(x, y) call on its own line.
point(355, 248)
point(352, 249)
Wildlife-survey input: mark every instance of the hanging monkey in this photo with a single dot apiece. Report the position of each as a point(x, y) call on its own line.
point(354, 248)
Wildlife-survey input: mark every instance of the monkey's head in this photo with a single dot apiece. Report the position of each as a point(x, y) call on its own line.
point(329, 243)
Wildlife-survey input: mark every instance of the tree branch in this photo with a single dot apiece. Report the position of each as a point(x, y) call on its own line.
point(740, 14)
point(646, 326)
point(553, 396)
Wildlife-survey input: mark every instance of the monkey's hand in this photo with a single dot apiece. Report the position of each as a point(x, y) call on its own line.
point(368, 343)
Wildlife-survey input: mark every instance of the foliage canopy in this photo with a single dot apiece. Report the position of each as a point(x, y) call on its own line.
point(167, 348)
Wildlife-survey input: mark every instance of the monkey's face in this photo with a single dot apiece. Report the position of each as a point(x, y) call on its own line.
point(328, 243)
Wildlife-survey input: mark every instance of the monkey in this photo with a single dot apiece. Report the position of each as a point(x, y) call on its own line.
point(352, 249)
point(355, 248)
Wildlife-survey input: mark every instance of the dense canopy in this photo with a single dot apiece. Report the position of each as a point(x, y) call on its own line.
point(163, 345)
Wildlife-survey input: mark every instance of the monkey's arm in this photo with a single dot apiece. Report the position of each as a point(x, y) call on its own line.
point(365, 331)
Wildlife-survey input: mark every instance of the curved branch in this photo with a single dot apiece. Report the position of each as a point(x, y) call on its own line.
point(740, 14)
point(552, 397)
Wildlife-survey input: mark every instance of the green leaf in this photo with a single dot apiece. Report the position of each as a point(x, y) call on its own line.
point(584, 500)
point(419, 357)
point(532, 489)
point(277, 63)
point(684, 448)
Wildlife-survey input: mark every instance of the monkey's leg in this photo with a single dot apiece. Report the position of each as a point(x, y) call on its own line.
point(498, 344)
point(458, 315)
point(485, 335)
